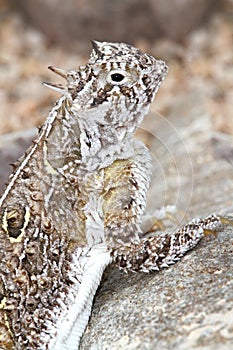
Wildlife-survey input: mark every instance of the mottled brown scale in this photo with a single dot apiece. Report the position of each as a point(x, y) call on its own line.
point(37, 196)
point(35, 208)
point(47, 225)
point(32, 186)
point(22, 279)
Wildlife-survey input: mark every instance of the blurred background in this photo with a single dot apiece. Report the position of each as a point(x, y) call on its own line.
point(194, 37)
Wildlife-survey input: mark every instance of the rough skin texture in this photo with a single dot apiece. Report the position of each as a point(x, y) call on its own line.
point(76, 199)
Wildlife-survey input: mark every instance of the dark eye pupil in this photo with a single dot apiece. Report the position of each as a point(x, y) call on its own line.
point(117, 77)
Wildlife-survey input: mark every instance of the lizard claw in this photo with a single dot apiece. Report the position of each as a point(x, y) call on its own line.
point(216, 223)
point(226, 220)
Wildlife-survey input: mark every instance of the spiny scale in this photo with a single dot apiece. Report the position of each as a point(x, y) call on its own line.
point(58, 71)
point(61, 89)
point(75, 202)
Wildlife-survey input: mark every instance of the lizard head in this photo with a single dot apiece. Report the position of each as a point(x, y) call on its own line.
point(117, 84)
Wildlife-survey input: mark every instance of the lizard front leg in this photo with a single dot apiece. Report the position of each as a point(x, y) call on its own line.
point(164, 249)
point(124, 204)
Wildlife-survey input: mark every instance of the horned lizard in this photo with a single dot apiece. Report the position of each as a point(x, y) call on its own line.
point(76, 200)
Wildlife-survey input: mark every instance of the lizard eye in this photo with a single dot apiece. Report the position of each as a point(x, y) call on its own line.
point(116, 77)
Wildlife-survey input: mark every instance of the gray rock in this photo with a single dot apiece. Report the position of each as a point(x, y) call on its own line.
point(187, 306)
point(13, 146)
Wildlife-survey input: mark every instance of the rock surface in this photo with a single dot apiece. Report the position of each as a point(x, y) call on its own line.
point(13, 146)
point(188, 306)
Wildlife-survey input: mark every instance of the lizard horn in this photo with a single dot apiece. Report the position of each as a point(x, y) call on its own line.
point(56, 87)
point(96, 46)
point(58, 71)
